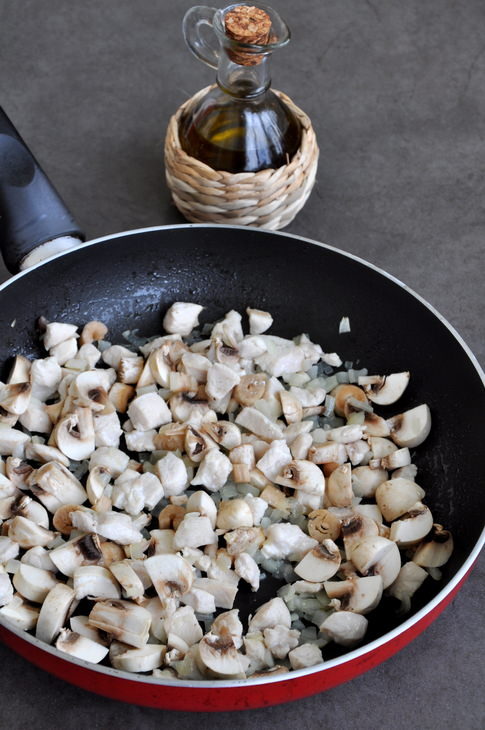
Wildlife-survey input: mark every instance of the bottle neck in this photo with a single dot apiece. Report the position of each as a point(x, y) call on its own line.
point(243, 81)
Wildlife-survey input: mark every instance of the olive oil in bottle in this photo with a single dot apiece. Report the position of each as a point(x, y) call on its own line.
point(240, 124)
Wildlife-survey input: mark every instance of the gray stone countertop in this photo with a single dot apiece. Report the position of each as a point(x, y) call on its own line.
point(395, 92)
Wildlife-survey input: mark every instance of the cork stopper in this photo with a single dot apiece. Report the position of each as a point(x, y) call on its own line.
point(247, 24)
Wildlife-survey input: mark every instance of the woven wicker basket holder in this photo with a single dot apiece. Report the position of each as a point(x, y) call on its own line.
point(266, 199)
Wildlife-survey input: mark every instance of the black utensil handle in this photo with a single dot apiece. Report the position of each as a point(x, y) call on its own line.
point(31, 211)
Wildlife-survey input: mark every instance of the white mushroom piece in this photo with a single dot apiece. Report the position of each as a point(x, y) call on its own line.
point(223, 589)
point(229, 329)
point(320, 563)
point(259, 321)
point(384, 389)
point(53, 612)
point(15, 397)
point(356, 527)
point(359, 595)
point(228, 622)
point(339, 486)
point(348, 398)
point(377, 556)
point(149, 410)
point(22, 614)
point(20, 370)
point(171, 575)
point(195, 530)
point(436, 549)
point(181, 318)
point(410, 578)
point(286, 540)
point(344, 627)
point(33, 583)
point(12, 441)
point(213, 471)
point(221, 379)
point(246, 568)
point(323, 524)
point(271, 614)
point(80, 646)
point(251, 388)
point(143, 659)
point(305, 655)
point(412, 526)
point(126, 621)
point(6, 588)
point(397, 496)
point(131, 584)
point(412, 427)
point(280, 640)
point(96, 581)
point(234, 513)
point(82, 550)
point(256, 422)
point(54, 485)
point(220, 655)
point(27, 533)
point(302, 475)
point(172, 472)
point(366, 480)
point(275, 459)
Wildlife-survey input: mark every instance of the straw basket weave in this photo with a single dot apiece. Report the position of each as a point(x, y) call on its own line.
point(266, 199)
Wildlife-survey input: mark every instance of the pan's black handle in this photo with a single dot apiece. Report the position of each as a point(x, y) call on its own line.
point(31, 211)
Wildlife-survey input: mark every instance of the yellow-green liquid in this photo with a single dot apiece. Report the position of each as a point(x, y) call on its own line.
point(240, 135)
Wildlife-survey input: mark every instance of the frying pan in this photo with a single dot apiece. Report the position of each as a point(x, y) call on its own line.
point(129, 279)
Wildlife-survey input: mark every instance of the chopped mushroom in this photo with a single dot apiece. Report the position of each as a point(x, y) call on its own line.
point(410, 578)
point(320, 563)
point(436, 548)
point(384, 389)
point(80, 646)
point(259, 321)
point(219, 654)
point(282, 466)
point(271, 614)
point(359, 595)
point(345, 627)
point(412, 427)
point(182, 317)
point(305, 655)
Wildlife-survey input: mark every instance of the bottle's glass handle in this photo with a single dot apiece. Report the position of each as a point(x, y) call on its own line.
point(205, 46)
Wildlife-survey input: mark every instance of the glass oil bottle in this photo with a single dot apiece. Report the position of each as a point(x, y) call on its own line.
point(240, 124)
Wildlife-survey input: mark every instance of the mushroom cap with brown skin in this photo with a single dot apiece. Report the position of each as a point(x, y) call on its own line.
point(342, 393)
point(323, 525)
point(93, 331)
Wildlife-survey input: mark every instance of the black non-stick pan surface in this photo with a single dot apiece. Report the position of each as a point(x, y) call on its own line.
point(129, 280)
